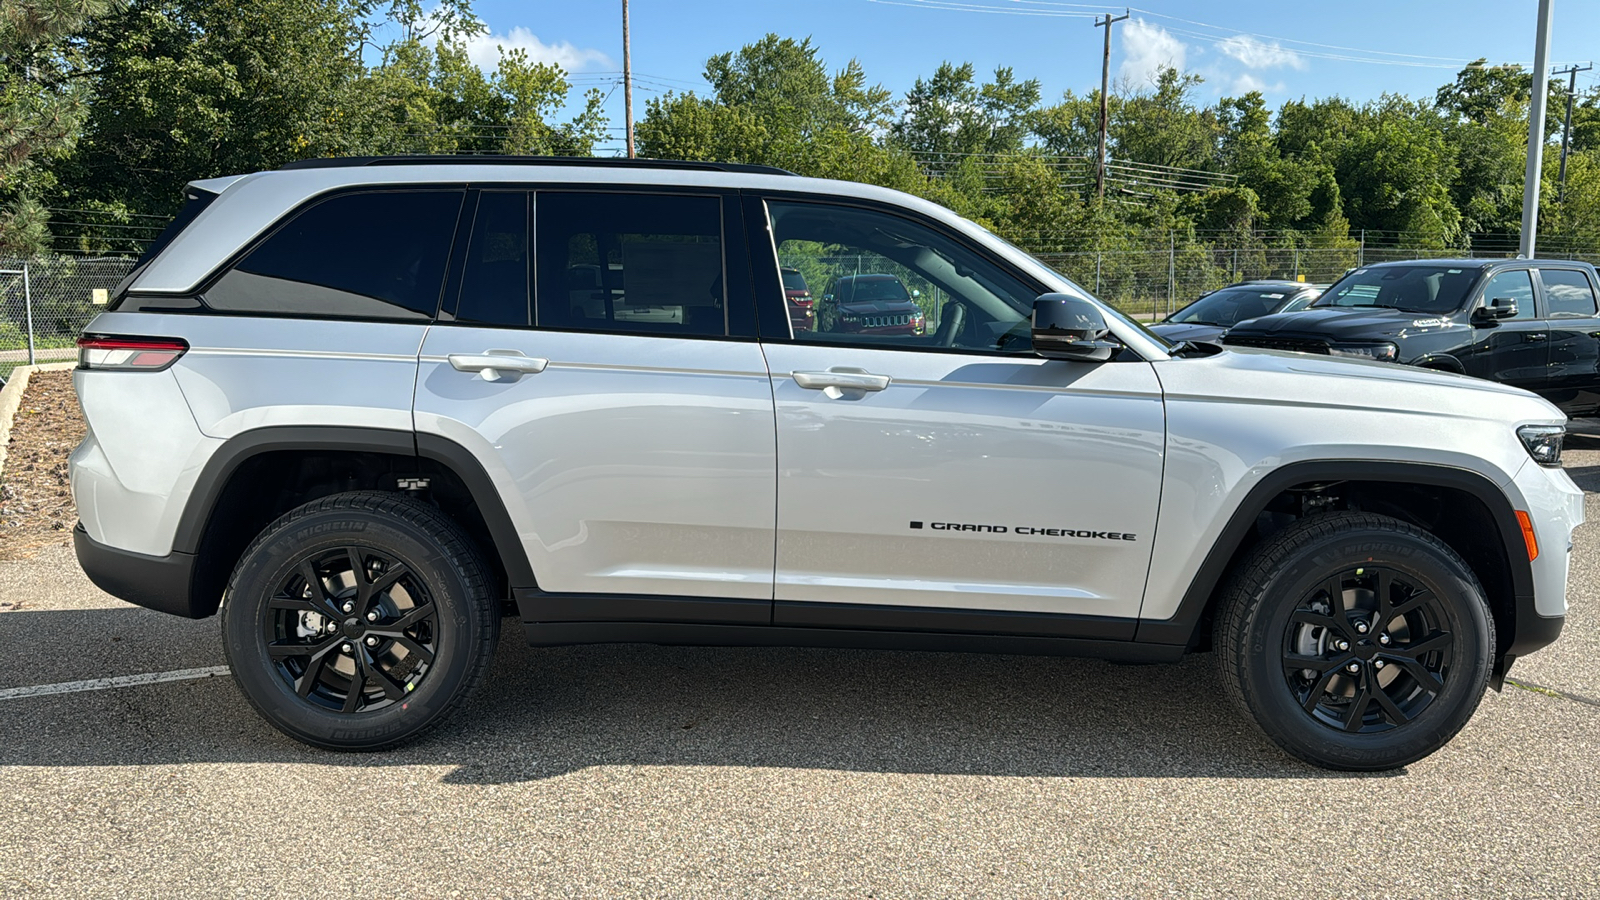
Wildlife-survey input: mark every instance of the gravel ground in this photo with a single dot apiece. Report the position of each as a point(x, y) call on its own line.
point(35, 500)
point(651, 771)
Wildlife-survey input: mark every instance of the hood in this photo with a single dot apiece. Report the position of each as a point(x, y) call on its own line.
point(1185, 331)
point(1300, 379)
point(1347, 323)
point(879, 307)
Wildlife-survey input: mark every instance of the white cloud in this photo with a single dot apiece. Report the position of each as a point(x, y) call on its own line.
point(484, 50)
point(1246, 83)
point(1146, 50)
point(1259, 54)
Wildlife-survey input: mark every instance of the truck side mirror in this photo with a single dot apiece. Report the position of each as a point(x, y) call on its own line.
point(1498, 308)
point(1068, 327)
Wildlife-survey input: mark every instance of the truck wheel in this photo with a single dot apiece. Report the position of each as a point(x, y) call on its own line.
point(359, 621)
point(1356, 641)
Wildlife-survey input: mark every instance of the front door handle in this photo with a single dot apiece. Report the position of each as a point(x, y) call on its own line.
point(842, 378)
point(498, 365)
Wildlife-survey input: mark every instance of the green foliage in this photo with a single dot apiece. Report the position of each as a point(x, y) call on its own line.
point(42, 105)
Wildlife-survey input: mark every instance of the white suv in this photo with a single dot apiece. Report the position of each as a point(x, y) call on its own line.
point(365, 405)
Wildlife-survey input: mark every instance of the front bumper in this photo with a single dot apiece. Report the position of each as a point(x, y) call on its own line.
point(161, 583)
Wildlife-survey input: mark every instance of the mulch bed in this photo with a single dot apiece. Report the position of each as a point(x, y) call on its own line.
point(36, 507)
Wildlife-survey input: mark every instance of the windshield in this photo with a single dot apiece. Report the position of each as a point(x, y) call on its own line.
point(1419, 288)
point(861, 290)
point(1230, 306)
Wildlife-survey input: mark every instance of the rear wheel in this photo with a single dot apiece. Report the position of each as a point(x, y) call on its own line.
point(1356, 641)
point(359, 621)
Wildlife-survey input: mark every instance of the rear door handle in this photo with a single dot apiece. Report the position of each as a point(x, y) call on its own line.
point(841, 377)
point(498, 365)
point(1534, 337)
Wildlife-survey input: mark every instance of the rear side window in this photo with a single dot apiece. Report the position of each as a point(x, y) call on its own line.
point(1568, 293)
point(642, 263)
point(379, 255)
point(494, 285)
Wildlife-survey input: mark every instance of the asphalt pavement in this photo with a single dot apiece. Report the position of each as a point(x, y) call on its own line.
point(651, 771)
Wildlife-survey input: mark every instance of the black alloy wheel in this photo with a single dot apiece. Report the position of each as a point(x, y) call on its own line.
point(352, 629)
point(1367, 650)
point(1355, 641)
point(360, 621)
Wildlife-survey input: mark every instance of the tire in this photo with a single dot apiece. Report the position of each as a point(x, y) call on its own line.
point(420, 629)
point(1348, 589)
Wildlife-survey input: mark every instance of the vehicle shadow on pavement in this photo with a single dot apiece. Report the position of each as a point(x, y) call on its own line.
point(547, 712)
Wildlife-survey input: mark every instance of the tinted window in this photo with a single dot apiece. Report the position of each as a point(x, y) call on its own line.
point(1233, 305)
point(630, 262)
point(1419, 289)
point(879, 279)
point(793, 281)
point(377, 255)
point(1516, 285)
point(494, 284)
point(1568, 293)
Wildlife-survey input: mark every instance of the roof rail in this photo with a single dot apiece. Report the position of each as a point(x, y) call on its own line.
point(496, 160)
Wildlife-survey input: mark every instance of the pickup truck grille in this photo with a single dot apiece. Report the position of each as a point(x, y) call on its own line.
point(1298, 345)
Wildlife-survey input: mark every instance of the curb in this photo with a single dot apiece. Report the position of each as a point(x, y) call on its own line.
point(11, 399)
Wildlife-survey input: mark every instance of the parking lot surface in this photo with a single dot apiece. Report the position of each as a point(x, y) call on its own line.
point(640, 770)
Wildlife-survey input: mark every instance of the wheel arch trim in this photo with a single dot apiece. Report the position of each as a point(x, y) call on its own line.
point(1182, 627)
point(220, 468)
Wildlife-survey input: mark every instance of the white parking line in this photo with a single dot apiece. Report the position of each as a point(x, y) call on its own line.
point(103, 684)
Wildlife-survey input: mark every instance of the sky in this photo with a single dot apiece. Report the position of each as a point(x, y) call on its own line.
point(1358, 49)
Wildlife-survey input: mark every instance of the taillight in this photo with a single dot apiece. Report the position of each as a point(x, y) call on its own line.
point(140, 354)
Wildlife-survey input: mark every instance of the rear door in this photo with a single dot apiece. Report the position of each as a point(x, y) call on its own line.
point(1512, 351)
point(1574, 323)
point(936, 480)
point(622, 410)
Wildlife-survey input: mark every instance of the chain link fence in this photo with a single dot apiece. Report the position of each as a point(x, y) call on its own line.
point(45, 302)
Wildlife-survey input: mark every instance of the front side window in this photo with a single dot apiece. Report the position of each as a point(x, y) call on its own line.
point(878, 279)
point(1416, 289)
point(641, 263)
point(378, 255)
point(1568, 293)
point(1514, 285)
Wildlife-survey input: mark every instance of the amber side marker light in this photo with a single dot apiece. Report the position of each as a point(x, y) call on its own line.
point(1527, 535)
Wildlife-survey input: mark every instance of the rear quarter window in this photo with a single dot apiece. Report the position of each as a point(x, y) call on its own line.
point(375, 255)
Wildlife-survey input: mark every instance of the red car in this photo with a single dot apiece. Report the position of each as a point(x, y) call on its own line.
point(876, 304)
point(801, 316)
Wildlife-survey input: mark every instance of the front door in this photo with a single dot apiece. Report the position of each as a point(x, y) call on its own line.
point(627, 419)
point(1512, 351)
point(942, 465)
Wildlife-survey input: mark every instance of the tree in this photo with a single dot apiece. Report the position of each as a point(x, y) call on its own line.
point(950, 116)
point(42, 105)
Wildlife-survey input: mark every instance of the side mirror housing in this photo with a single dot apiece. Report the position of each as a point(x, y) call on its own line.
point(1068, 327)
point(1498, 308)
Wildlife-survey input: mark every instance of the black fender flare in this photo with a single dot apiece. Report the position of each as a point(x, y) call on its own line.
point(1443, 362)
point(214, 477)
point(1531, 630)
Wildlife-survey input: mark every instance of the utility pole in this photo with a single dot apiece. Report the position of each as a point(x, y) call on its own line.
point(1566, 126)
point(1541, 91)
point(1105, 109)
point(627, 78)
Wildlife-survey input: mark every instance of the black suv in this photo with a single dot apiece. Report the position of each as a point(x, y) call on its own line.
point(1529, 323)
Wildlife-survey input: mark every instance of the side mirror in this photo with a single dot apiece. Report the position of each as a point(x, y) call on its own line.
point(1498, 308)
point(1068, 327)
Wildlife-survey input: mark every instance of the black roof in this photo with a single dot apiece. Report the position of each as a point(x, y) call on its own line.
point(495, 160)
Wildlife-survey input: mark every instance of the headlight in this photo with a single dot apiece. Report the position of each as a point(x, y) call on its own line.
point(1383, 352)
point(1543, 442)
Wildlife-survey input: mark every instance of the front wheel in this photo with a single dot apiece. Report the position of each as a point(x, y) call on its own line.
point(359, 621)
point(1356, 641)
